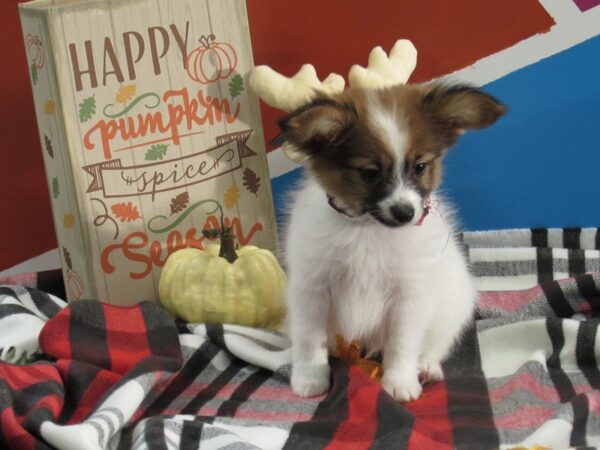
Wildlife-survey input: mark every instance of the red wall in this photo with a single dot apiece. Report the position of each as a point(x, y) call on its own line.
point(26, 227)
point(333, 35)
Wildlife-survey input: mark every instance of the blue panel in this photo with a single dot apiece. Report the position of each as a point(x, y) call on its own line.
point(540, 164)
point(282, 188)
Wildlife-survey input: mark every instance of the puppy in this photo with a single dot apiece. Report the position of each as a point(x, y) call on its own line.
point(370, 247)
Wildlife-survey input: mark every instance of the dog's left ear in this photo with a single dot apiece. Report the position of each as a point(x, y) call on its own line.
point(457, 108)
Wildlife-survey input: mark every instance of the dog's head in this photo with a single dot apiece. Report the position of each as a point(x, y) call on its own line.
point(379, 151)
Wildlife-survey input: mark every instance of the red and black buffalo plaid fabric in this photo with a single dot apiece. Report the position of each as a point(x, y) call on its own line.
point(525, 374)
point(90, 350)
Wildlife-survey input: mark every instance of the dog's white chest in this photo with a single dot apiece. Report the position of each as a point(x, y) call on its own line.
point(358, 311)
point(362, 290)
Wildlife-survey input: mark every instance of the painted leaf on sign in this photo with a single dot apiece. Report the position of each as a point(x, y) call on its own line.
point(55, 188)
point(34, 73)
point(49, 107)
point(87, 108)
point(236, 86)
point(67, 257)
point(126, 212)
point(157, 151)
point(251, 181)
point(126, 93)
point(69, 220)
point(179, 203)
point(48, 145)
point(232, 196)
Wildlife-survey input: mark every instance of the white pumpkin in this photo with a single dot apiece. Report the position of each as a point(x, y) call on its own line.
point(199, 286)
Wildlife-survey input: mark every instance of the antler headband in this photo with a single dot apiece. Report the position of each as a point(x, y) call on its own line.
point(289, 93)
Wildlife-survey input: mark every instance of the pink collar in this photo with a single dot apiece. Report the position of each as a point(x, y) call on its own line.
point(346, 212)
point(340, 209)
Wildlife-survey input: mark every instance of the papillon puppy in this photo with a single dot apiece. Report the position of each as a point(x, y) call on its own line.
point(370, 248)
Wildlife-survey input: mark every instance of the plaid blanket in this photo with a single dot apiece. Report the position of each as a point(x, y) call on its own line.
point(94, 376)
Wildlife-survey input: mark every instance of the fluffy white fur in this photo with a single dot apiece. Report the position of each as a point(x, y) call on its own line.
point(405, 291)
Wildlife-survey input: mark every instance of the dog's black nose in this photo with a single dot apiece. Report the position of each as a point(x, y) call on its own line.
point(403, 212)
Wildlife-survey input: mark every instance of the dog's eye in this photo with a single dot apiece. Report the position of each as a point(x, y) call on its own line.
point(420, 169)
point(369, 175)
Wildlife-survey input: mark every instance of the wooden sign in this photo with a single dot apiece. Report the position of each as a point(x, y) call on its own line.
point(149, 135)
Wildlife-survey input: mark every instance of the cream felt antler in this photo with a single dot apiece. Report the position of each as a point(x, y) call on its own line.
point(286, 93)
point(383, 71)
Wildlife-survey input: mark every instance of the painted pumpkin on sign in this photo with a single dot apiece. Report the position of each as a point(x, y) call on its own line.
point(222, 285)
point(211, 61)
point(35, 50)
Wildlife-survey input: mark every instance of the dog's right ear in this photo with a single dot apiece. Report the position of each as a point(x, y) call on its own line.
point(317, 127)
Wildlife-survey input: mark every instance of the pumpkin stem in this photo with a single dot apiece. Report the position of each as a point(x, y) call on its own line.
point(206, 41)
point(227, 249)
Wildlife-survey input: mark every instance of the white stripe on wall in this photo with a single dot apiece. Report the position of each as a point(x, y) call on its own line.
point(46, 261)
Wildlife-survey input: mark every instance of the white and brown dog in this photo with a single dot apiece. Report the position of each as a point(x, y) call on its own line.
point(364, 258)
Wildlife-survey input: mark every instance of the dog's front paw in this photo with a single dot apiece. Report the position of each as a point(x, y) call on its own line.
point(430, 372)
point(404, 387)
point(310, 380)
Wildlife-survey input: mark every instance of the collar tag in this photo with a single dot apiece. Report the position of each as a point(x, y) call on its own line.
point(426, 209)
